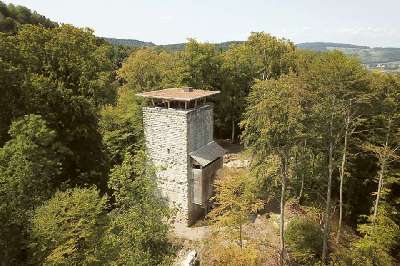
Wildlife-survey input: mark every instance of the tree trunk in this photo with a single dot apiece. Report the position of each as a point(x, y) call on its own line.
point(302, 173)
point(380, 184)
point(240, 236)
point(328, 194)
point(282, 206)
point(233, 131)
point(382, 170)
point(342, 171)
point(301, 188)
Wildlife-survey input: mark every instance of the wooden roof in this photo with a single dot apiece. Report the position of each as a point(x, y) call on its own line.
point(207, 153)
point(178, 94)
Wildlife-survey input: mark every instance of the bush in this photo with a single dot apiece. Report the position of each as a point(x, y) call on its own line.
point(304, 240)
point(379, 239)
point(220, 250)
point(367, 252)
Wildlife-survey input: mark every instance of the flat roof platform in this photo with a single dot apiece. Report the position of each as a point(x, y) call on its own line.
point(185, 94)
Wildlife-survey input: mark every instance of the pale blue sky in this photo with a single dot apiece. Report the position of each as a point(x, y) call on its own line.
point(365, 22)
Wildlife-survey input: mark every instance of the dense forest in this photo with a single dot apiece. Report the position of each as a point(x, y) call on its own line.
point(367, 55)
point(322, 134)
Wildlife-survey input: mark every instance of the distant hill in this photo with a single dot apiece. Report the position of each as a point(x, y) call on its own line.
point(325, 46)
point(12, 16)
point(366, 54)
point(180, 46)
point(129, 42)
point(169, 47)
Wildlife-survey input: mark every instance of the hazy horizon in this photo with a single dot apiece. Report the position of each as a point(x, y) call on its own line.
point(173, 21)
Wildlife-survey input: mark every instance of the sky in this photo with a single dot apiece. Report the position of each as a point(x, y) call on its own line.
point(364, 22)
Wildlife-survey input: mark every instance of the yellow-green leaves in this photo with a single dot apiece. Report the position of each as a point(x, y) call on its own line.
point(66, 229)
point(235, 198)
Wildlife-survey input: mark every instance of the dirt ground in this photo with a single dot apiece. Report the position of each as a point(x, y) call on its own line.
point(263, 228)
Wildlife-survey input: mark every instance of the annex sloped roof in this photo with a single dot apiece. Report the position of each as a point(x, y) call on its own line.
point(207, 153)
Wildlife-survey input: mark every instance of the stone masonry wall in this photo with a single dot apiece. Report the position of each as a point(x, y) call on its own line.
point(166, 143)
point(171, 134)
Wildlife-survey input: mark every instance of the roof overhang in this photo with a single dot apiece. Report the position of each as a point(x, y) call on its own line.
point(178, 94)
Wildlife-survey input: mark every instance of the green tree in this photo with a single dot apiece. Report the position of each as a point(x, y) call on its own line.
point(304, 240)
point(355, 116)
point(121, 125)
point(384, 142)
point(332, 79)
point(200, 65)
point(238, 76)
point(30, 162)
point(12, 17)
point(273, 57)
point(67, 228)
point(273, 127)
point(63, 75)
point(137, 234)
point(147, 69)
point(380, 236)
point(12, 77)
point(262, 56)
point(220, 252)
point(235, 199)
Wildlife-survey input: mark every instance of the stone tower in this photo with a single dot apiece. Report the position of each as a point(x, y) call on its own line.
point(178, 129)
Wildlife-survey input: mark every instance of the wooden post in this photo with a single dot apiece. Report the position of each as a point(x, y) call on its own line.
point(185, 105)
point(168, 104)
point(195, 103)
point(152, 101)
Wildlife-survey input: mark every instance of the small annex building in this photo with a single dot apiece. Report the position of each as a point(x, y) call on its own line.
point(178, 128)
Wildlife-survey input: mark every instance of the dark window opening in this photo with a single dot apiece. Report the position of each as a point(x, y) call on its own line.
point(196, 166)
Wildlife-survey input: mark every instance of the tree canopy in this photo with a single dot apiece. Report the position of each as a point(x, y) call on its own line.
point(76, 186)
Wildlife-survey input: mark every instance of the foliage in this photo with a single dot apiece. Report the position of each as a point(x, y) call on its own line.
point(137, 234)
point(12, 17)
point(132, 183)
point(128, 42)
point(121, 125)
point(200, 64)
point(380, 236)
point(304, 240)
point(67, 228)
point(11, 83)
point(272, 122)
point(273, 127)
point(119, 53)
point(29, 164)
point(332, 80)
point(219, 251)
point(272, 55)
point(64, 124)
point(63, 75)
point(147, 69)
point(262, 56)
point(235, 200)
